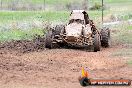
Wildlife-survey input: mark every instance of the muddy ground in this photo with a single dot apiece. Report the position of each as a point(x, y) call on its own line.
point(27, 64)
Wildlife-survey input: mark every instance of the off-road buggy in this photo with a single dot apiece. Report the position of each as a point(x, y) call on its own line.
point(80, 31)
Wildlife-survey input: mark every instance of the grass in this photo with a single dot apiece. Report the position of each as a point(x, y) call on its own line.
point(129, 27)
point(125, 16)
point(125, 38)
point(17, 34)
point(8, 16)
point(123, 35)
point(118, 1)
point(123, 52)
point(129, 62)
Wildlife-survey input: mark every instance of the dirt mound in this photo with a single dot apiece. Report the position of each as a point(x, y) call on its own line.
point(24, 45)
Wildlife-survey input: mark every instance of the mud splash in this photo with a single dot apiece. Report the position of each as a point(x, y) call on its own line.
point(24, 45)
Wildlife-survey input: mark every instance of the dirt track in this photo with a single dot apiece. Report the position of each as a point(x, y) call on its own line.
point(57, 68)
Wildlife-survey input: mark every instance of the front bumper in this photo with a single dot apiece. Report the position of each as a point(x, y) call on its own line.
point(78, 41)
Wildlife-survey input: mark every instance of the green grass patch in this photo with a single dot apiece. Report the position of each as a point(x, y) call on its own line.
point(57, 16)
point(125, 38)
point(123, 52)
point(129, 27)
point(126, 16)
point(123, 35)
point(17, 34)
point(9, 16)
point(129, 62)
point(118, 1)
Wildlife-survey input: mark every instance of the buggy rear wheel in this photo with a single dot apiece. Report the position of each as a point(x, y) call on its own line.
point(105, 37)
point(96, 42)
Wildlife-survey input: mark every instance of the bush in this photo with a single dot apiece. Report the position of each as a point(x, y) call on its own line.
point(96, 6)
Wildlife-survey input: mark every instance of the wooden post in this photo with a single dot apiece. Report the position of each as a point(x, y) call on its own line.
point(1, 4)
point(44, 5)
point(102, 12)
point(85, 4)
